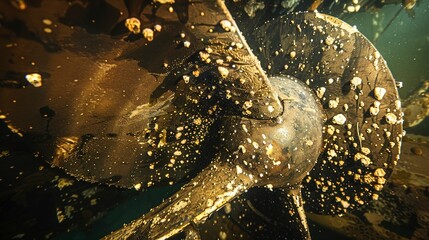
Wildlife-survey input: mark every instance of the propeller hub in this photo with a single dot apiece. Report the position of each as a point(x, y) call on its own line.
point(281, 151)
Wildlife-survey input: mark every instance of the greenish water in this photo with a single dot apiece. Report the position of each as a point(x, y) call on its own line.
point(404, 45)
point(127, 211)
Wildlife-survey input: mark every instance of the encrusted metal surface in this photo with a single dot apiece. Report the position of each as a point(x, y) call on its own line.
point(171, 91)
point(363, 129)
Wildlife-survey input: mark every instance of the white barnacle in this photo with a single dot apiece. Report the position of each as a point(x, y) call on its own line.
point(226, 25)
point(244, 128)
point(398, 104)
point(137, 186)
point(355, 82)
point(133, 25)
point(333, 103)
point(247, 104)
point(376, 104)
point(379, 93)
point(227, 208)
point(320, 92)
point(186, 78)
point(34, 79)
point(339, 119)
point(209, 202)
point(379, 172)
point(219, 61)
point(366, 150)
point(269, 149)
point(157, 28)
point(330, 130)
point(375, 108)
point(378, 187)
point(377, 54)
point(239, 169)
point(47, 21)
point(178, 135)
point(351, 8)
point(197, 121)
point(223, 72)
point(270, 186)
point(186, 44)
point(381, 180)
point(209, 49)
point(331, 153)
point(391, 118)
point(362, 158)
point(329, 40)
point(204, 56)
point(345, 204)
point(148, 34)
